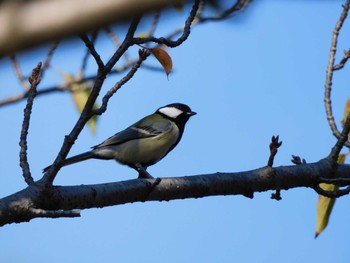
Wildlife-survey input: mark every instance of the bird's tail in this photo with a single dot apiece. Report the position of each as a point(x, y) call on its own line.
point(74, 159)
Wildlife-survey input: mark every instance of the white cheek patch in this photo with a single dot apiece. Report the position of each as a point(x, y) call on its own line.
point(171, 112)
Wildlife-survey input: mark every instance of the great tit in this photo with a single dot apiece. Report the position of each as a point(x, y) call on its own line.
point(145, 142)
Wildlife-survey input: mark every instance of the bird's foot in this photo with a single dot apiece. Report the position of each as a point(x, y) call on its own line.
point(143, 174)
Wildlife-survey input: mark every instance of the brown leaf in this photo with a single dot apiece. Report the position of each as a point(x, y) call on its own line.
point(164, 59)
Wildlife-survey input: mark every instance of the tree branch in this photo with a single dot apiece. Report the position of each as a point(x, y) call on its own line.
point(14, 208)
point(238, 6)
point(36, 22)
point(87, 112)
point(330, 70)
point(18, 73)
point(274, 145)
point(47, 61)
point(34, 80)
point(332, 194)
point(342, 61)
point(181, 39)
point(90, 45)
point(143, 54)
point(66, 86)
point(94, 36)
point(343, 138)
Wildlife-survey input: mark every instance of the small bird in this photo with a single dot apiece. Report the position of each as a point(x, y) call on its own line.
point(145, 142)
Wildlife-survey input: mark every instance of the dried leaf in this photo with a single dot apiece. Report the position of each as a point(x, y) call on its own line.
point(164, 59)
point(326, 204)
point(80, 94)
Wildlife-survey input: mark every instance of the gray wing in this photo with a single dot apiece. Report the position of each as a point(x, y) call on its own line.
point(128, 134)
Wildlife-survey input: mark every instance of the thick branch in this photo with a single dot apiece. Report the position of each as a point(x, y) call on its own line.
point(14, 207)
point(27, 23)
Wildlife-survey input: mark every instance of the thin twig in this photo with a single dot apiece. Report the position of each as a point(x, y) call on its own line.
point(342, 61)
point(34, 80)
point(181, 39)
point(332, 194)
point(334, 154)
point(115, 39)
point(274, 145)
point(87, 53)
point(128, 41)
point(238, 6)
point(330, 70)
point(90, 45)
point(143, 54)
point(113, 36)
point(154, 23)
point(18, 73)
point(46, 65)
point(336, 181)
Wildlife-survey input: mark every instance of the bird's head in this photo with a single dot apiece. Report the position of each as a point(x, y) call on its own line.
point(177, 112)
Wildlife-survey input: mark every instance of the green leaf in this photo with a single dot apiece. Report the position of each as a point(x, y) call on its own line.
point(143, 35)
point(80, 98)
point(326, 204)
point(346, 111)
point(80, 94)
point(324, 208)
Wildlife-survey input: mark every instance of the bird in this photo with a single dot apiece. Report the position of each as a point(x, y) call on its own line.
point(144, 143)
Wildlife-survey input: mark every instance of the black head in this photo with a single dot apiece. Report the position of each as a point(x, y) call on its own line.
point(177, 112)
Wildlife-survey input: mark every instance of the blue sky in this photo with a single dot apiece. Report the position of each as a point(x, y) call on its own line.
point(258, 75)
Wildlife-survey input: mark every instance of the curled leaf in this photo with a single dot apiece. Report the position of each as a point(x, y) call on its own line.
point(164, 59)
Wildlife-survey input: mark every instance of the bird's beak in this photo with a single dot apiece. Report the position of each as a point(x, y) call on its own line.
point(191, 113)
